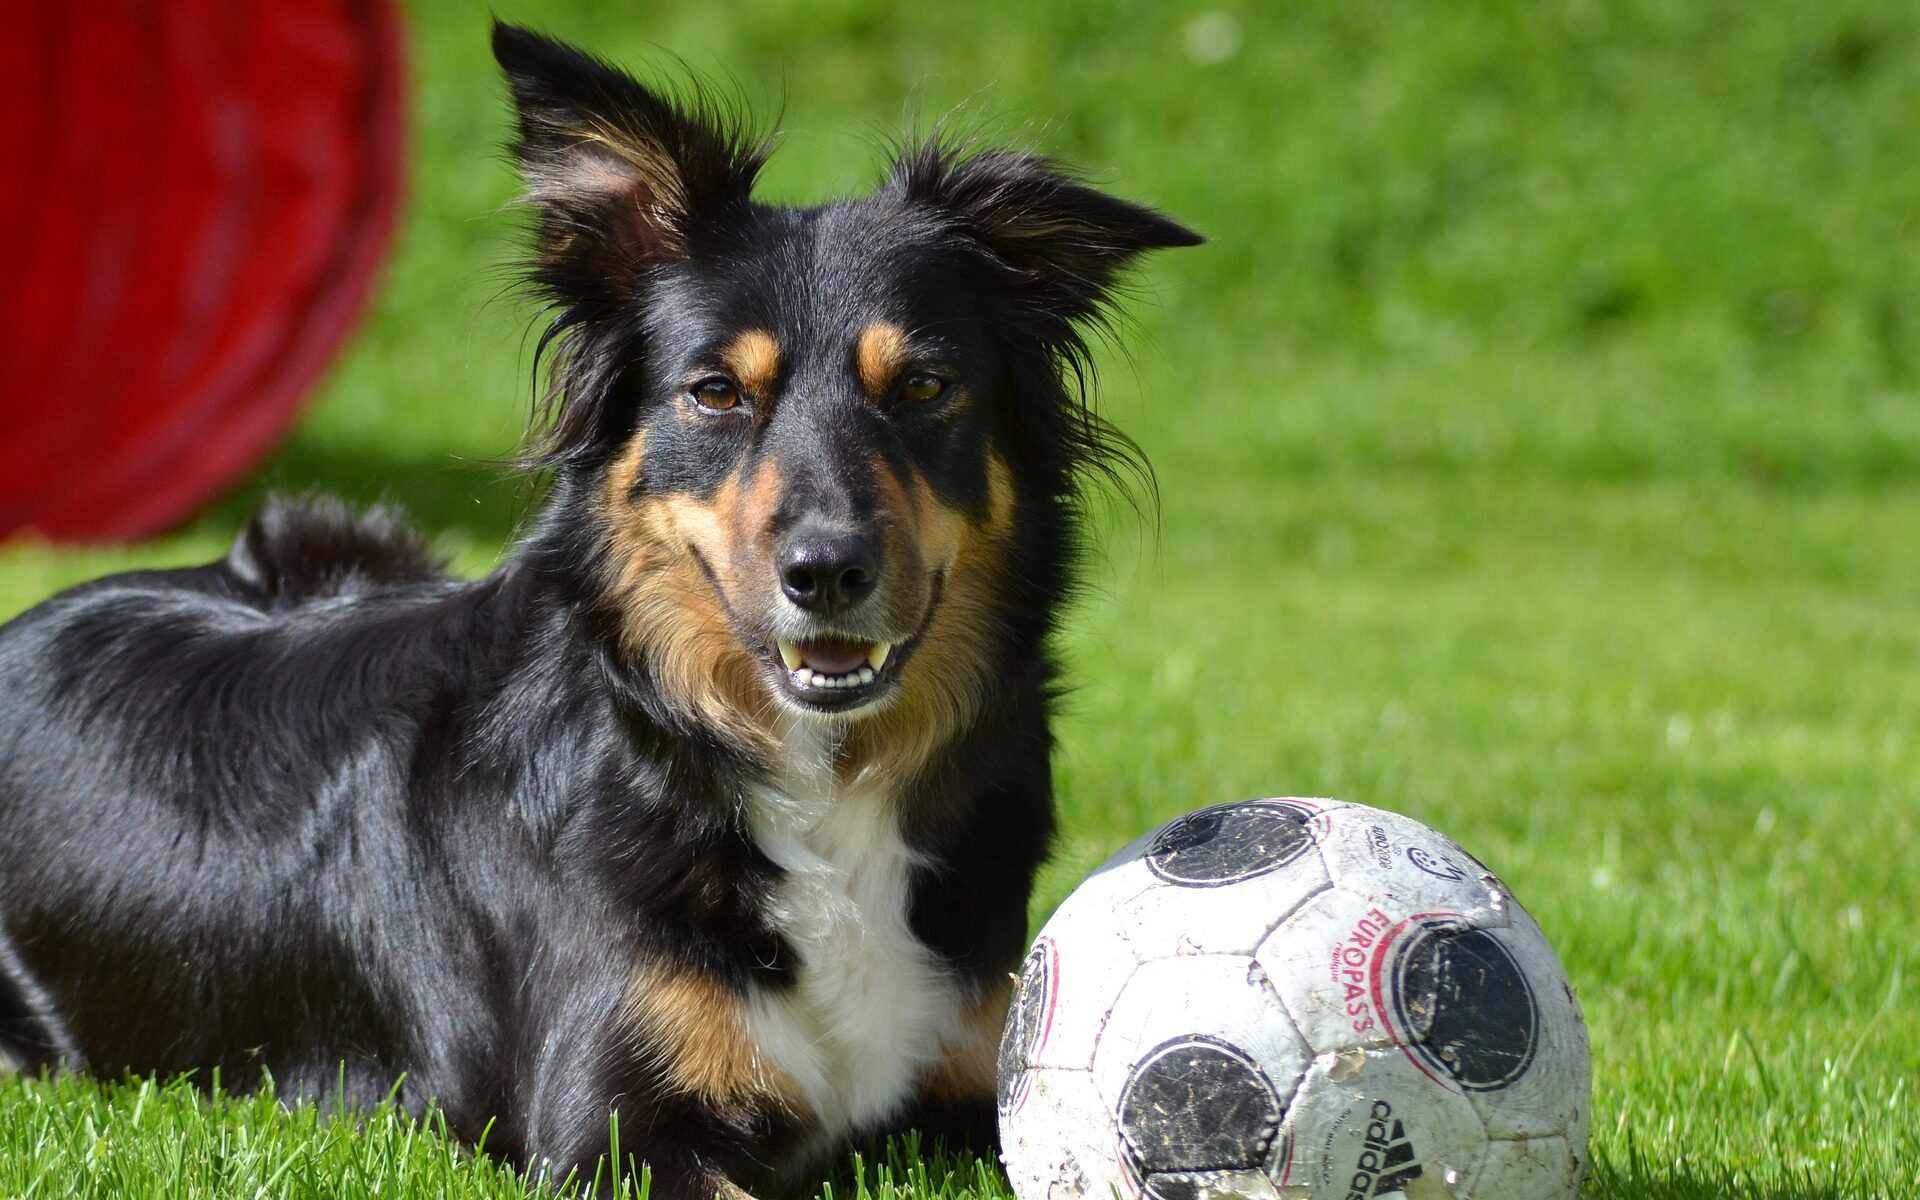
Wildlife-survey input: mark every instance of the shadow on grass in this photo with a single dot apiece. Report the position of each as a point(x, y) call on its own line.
point(459, 501)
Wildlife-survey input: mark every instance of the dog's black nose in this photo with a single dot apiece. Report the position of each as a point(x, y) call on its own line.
point(825, 572)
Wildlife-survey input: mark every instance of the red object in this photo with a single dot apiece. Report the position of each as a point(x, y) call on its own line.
point(196, 196)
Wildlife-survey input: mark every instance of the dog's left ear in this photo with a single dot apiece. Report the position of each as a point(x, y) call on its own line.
point(1068, 243)
point(622, 176)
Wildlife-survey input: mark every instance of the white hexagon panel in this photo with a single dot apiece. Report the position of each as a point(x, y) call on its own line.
point(1410, 867)
point(1538, 1168)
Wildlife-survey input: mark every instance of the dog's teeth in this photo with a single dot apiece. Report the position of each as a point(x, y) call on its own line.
point(807, 677)
point(790, 655)
point(877, 657)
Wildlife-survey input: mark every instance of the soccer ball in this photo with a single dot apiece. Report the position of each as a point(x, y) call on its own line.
point(1293, 999)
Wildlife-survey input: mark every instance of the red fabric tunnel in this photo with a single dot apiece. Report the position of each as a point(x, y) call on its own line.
point(197, 196)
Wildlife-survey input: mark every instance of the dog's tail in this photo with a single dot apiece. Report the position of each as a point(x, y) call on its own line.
point(301, 548)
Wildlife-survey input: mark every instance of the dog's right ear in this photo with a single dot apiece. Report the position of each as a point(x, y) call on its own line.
point(622, 177)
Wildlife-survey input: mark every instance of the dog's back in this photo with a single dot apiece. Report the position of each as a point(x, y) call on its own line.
point(181, 754)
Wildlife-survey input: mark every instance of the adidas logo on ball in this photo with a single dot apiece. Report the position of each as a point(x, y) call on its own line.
point(1387, 1162)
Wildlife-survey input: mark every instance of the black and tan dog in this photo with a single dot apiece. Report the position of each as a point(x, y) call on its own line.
point(716, 808)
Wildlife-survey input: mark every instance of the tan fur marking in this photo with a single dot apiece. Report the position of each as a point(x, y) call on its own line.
point(754, 359)
point(881, 355)
point(1000, 498)
point(694, 1032)
point(625, 472)
point(968, 1067)
point(942, 687)
point(669, 613)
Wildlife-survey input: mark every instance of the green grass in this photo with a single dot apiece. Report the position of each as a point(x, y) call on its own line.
point(73, 1138)
point(1540, 444)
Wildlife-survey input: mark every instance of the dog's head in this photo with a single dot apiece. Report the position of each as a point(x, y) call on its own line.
point(823, 452)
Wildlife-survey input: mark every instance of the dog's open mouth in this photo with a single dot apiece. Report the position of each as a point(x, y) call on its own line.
point(833, 673)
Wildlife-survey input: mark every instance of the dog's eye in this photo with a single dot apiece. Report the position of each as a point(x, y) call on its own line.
point(922, 388)
point(716, 395)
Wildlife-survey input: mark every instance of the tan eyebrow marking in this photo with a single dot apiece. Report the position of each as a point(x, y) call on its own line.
point(881, 355)
point(753, 357)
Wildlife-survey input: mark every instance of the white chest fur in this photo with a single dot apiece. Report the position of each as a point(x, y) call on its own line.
point(871, 1006)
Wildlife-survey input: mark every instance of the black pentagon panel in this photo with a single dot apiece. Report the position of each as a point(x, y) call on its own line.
point(1027, 1023)
point(1466, 1005)
point(1196, 1105)
point(1230, 842)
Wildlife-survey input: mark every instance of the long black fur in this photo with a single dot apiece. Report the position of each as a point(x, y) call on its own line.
point(319, 809)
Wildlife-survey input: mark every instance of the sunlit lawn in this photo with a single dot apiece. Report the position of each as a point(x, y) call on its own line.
point(1540, 446)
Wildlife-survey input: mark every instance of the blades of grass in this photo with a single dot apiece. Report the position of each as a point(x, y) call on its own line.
point(613, 1149)
point(1759, 1066)
point(1844, 1068)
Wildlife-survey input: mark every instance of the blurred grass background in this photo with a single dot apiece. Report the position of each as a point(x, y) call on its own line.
point(1540, 444)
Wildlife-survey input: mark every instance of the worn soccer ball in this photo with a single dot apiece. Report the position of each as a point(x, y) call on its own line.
point(1293, 999)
